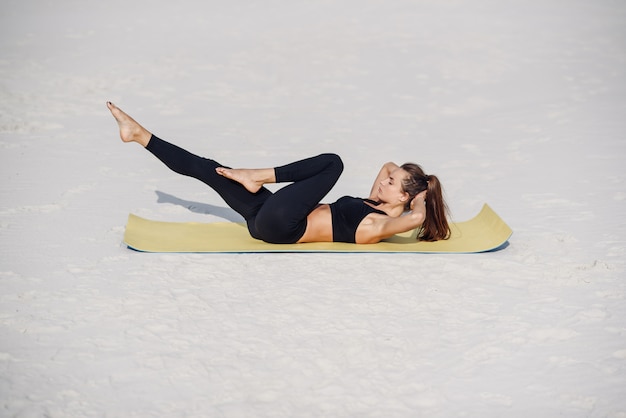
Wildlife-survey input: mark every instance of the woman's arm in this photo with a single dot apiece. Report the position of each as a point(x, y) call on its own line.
point(378, 228)
point(386, 169)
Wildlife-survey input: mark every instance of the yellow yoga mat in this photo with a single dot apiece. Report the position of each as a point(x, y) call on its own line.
point(485, 232)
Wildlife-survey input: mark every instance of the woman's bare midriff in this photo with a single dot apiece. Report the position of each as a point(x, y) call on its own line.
point(319, 226)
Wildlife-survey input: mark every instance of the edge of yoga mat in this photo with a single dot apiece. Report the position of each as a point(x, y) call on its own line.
point(485, 232)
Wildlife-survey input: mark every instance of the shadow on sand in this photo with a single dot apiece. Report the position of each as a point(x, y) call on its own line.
point(198, 207)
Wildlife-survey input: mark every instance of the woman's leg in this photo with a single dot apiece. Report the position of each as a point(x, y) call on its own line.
point(283, 216)
point(279, 217)
point(244, 202)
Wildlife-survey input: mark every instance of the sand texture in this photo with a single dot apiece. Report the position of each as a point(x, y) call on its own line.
point(516, 103)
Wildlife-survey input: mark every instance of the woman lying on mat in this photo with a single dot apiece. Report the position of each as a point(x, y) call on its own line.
point(293, 213)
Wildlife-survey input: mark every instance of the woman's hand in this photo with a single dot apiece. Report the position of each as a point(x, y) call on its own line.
point(418, 201)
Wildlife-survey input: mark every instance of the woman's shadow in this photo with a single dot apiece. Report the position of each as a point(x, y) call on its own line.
point(198, 207)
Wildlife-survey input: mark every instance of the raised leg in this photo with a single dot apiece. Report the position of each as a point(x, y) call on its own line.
point(243, 201)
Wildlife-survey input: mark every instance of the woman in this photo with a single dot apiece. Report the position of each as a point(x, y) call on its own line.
point(293, 213)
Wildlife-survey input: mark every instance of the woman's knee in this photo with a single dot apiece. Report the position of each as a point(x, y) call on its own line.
point(334, 161)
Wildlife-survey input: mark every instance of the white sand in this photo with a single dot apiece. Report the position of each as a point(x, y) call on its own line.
point(517, 103)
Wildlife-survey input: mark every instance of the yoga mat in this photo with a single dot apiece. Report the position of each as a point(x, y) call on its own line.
point(485, 232)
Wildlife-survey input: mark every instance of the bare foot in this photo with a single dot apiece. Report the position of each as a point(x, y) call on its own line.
point(251, 179)
point(130, 131)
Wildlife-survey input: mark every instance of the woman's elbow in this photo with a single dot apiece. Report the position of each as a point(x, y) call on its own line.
point(417, 219)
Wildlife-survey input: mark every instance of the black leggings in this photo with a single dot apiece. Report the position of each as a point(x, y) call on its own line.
point(279, 217)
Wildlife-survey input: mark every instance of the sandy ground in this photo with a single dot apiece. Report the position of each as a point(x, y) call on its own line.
point(518, 103)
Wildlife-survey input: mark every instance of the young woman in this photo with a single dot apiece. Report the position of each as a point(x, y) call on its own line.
point(402, 197)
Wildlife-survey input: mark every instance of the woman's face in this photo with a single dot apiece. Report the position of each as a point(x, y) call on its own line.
point(390, 189)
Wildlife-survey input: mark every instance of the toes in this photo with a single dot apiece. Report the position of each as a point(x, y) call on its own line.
point(222, 171)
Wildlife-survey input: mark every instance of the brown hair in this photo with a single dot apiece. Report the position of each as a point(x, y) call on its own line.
point(435, 226)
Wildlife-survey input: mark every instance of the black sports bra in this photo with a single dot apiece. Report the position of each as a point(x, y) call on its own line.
point(347, 213)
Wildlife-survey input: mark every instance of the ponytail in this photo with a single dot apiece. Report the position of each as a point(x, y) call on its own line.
point(435, 226)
